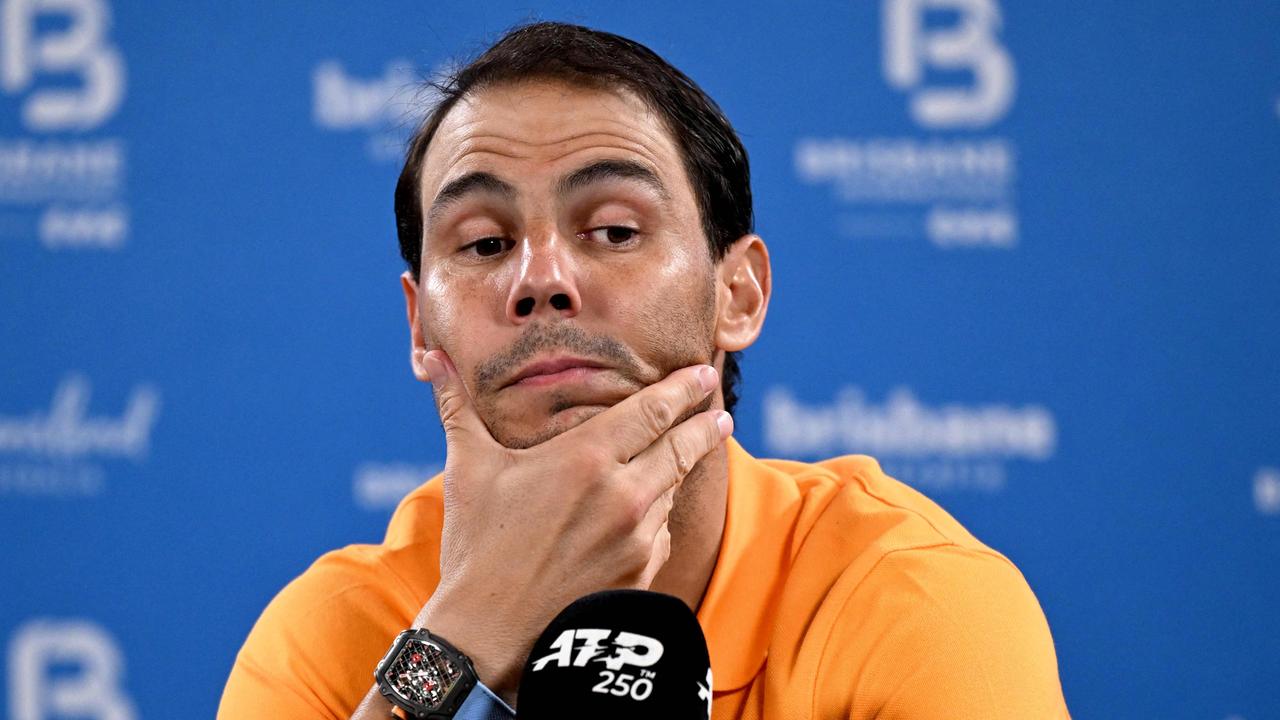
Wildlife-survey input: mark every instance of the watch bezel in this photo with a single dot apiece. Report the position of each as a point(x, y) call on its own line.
point(452, 700)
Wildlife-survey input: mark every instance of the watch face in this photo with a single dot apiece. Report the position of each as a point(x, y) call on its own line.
point(422, 674)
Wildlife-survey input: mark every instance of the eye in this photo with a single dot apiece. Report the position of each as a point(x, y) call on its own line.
point(488, 247)
point(613, 234)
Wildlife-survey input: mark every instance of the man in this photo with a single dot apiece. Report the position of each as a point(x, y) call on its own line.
point(576, 217)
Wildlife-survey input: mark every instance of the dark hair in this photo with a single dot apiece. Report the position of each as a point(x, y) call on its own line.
point(713, 156)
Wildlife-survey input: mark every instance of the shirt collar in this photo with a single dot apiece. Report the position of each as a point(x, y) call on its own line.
point(738, 608)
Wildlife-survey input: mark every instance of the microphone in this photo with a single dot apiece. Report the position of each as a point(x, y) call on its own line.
point(619, 654)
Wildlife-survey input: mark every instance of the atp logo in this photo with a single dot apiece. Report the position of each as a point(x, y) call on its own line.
point(623, 649)
point(80, 49)
point(970, 44)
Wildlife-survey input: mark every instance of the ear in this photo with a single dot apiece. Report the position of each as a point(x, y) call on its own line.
point(418, 346)
point(742, 293)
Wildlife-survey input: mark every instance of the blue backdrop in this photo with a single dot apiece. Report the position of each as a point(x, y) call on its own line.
point(1026, 253)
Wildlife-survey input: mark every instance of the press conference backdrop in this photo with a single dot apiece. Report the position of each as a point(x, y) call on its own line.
point(1026, 253)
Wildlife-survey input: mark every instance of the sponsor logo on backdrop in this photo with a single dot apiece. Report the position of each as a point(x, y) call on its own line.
point(384, 108)
point(62, 180)
point(1266, 491)
point(66, 668)
point(62, 451)
point(951, 182)
point(943, 447)
point(381, 486)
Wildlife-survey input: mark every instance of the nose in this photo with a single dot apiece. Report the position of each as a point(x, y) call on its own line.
point(545, 284)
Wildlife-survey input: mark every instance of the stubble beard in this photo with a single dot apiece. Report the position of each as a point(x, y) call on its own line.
point(686, 337)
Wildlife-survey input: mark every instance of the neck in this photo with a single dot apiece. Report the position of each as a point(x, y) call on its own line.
point(696, 524)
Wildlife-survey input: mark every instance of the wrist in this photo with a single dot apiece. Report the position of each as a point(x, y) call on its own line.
point(424, 675)
point(497, 663)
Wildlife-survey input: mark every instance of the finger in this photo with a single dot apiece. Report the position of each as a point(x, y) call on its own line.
point(658, 514)
point(462, 424)
point(633, 424)
point(661, 553)
point(667, 461)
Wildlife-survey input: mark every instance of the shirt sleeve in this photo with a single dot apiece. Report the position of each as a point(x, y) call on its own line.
point(482, 704)
point(941, 633)
point(312, 652)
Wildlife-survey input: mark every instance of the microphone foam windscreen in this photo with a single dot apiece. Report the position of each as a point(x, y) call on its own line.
point(619, 654)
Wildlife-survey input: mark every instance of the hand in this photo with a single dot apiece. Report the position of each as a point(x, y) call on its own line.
point(528, 531)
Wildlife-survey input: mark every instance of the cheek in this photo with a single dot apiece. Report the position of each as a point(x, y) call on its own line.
point(436, 310)
point(450, 311)
point(671, 310)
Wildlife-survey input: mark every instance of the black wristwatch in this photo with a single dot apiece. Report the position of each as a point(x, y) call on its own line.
point(425, 676)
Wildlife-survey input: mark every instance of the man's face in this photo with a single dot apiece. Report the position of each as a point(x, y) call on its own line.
point(564, 266)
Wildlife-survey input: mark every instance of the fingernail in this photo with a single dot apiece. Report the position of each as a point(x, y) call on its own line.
point(725, 421)
point(435, 368)
point(708, 378)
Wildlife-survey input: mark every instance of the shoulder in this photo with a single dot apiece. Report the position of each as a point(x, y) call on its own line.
point(314, 648)
point(940, 632)
point(355, 582)
point(852, 514)
point(909, 612)
point(364, 584)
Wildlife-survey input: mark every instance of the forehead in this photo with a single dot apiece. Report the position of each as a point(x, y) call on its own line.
point(534, 130)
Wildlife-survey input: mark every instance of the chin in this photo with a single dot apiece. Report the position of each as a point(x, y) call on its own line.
point(521, 435)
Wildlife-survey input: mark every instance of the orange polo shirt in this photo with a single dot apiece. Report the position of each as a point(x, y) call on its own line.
point(839, 592)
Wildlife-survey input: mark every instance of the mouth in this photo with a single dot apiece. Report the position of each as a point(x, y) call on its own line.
point(551, 371)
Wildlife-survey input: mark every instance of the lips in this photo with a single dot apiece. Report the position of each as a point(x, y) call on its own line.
point(552, 370)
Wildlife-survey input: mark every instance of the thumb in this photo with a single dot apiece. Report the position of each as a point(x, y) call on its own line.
point(462, 424)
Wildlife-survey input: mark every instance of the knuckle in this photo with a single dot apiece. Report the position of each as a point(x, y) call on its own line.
point(680, 455)
point(451, 407)
point(655, 415)
point(635, 508)
point(711, 433)
point(591, 461)
point(693, 390)
point(638, 552)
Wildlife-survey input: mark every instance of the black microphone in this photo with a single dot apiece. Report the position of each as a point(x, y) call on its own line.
point(619, 654)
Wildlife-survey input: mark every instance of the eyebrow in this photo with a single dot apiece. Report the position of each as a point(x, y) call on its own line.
point(488, 183)
point(611, 170)
point(474, 182)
